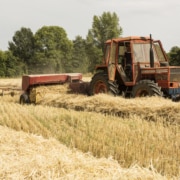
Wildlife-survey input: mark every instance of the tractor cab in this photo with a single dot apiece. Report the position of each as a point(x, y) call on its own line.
point(129, 55)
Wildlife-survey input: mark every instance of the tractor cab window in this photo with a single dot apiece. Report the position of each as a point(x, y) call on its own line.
point(125, 58)
point(141, 53)
point(121, 53)
point(125, 54)
point(106, 54)
point(159, 52)
point(112, 56)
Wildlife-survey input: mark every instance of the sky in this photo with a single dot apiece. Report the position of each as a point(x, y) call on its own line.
point(136, 17)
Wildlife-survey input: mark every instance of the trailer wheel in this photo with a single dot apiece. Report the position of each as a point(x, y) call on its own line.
point(24, 99)
point(146, 88)
point(100, 84)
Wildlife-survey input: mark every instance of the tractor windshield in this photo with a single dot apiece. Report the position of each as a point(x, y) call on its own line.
point(141, 53)
point(159, 51)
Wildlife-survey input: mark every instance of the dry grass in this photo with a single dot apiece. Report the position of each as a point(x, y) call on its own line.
point(26, 156)
point(10, 86)
point(143, 131)
point(14, 82)
point(151, 109)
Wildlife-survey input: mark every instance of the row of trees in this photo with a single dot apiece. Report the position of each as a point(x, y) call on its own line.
point(174, 56)
point(50, 51)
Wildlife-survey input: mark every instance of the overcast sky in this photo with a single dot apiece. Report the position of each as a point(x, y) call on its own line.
point(161, 18)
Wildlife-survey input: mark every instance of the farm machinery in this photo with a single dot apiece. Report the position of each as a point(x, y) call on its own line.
point(132, 67)
point(31, 82)
point(8, 90)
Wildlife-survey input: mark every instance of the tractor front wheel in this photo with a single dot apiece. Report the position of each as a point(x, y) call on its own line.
point(146, 88)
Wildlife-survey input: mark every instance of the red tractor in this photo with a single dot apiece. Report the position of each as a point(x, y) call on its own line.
point(135, 67)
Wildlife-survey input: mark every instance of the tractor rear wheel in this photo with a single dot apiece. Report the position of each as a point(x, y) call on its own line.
point(146, 88)
point(100, 84)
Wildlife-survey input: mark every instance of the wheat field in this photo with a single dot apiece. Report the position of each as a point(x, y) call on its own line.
point(71, 136)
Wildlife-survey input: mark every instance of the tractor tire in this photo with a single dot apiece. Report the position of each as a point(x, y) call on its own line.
point(146, 88)
point(113, 86)
point(100, 84)
point(24, 99)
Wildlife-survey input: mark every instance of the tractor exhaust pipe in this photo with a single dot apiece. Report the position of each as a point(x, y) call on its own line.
point(151, 53)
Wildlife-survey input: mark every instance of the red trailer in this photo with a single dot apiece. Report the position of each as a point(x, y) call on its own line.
point(30, 82)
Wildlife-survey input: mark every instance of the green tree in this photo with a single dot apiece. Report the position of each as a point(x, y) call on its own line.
point(93, 53)
point(104, 27)
point(2, 64)
point(10, 66)
point(174, 56)
point(22, 45)
point(53, 50)
point(79, 62)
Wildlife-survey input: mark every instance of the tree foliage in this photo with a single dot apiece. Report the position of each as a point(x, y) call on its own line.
point(2, 64)
point(94, 54)
point(105, 27)
point(79, 61)
point(10, 65)
point(52, 49)
point(22, 45)
point(174, 56)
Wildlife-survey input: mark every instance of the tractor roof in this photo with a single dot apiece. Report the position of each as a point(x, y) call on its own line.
point(129, 38)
